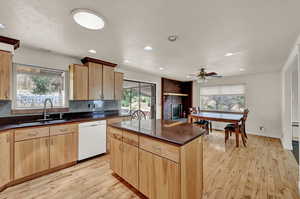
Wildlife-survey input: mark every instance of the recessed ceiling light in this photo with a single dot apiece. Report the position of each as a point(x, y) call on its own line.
point(88, 19)
point(229, 54)
point(242, 69)
point(92, 51)
point(148, 48)
point(2, 26)
point(161, 68)
point(126, 61)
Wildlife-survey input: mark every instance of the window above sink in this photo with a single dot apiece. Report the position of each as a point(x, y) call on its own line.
point(32, 85)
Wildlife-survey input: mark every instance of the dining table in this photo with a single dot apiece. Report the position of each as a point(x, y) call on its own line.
point(232, 118)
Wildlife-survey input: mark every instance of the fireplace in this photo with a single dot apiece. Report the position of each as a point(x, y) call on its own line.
point(176, 111)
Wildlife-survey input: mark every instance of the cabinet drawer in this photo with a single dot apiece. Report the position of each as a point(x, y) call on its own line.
point(130, 138)
point(162, 149)
point(30, 133)
point(114, 120)
point(116, 133)
point(63, 129)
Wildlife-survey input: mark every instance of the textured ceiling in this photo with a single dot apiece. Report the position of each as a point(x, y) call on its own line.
point(260, 32)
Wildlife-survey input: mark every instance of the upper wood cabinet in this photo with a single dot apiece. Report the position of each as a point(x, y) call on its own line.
point(118, 85)
point(95, 81)
point(108, 83)
point(5, 75)
point(5, 158)
point(78, 82)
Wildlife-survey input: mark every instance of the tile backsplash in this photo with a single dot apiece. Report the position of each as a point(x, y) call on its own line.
point(5, 107)
point(94, 105)
point(74, 106)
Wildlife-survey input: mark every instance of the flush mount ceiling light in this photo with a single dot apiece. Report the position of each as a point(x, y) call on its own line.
point(92, 51)
point(148, 48)
point(88, 19)
point(242, 69)
point(161, 68)
point(2, 26)
point(126, 61)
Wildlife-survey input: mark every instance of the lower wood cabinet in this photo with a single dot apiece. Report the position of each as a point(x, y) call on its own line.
point(116, 161)
point(5, 158)
point(158, 176)
point(31, 156)
point(62, 149)
point(130, 164)
point(39, 149)
point(155, 168)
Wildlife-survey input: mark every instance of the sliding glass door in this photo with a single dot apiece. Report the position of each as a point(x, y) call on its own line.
point(139, 96)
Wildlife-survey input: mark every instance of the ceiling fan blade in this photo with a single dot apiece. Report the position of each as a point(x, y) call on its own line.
point(211, 74)
point(217, 76)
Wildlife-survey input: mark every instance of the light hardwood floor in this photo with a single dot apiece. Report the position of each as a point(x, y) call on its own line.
point(263, 170)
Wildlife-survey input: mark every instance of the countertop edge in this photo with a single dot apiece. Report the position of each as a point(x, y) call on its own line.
point(159, 138)
point(57, 122)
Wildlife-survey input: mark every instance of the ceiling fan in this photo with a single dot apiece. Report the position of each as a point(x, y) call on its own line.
point(202, 76)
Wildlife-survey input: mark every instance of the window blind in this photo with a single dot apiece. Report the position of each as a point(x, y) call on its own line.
point(223, 90)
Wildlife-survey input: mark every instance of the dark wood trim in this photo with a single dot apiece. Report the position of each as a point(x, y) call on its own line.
point(11, 41)
point(97, 61)
point(31, 111)
point(162, 98)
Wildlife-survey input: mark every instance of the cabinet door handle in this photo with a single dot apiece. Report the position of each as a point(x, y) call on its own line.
point(157, 149)
point(46, 142)
point(121, 148)
point(32, 134)
point(63, 130)
point(8, 138)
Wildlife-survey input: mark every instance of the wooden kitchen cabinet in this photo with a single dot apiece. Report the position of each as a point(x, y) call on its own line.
point(108, 83)
point(5, 158)
point(78, 82)
point(118, 85)
point(130, 164)
point(95, 81)
point(116, 161)
point(158, 176)
point(63, 149)
point(5, 75)
point(31, 157)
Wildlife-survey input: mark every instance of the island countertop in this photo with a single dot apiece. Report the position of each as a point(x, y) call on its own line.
point(178, 133)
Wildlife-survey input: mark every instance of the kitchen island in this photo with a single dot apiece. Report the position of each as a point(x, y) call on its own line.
point(161, 159)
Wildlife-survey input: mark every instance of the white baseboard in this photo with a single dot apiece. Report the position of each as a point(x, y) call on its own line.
point(286, 145)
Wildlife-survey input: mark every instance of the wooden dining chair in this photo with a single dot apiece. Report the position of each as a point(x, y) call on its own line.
point(138, 115)
point(230, 128)
point(202, 123)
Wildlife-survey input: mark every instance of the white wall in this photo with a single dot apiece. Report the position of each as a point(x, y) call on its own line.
point(43, 58)
point(263, 98)
point(30, 56)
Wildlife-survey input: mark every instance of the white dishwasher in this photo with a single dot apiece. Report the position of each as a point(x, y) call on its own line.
point(92, 139)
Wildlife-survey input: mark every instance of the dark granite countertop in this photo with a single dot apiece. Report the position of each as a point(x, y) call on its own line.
point(31, 121)
point(178, 133)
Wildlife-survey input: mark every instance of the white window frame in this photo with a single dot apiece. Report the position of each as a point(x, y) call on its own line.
point(14, 88)
point(218, 85)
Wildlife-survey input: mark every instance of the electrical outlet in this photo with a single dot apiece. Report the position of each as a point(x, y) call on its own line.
point(261, 129)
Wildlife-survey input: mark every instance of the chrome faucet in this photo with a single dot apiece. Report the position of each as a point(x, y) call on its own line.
point(45, 105)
